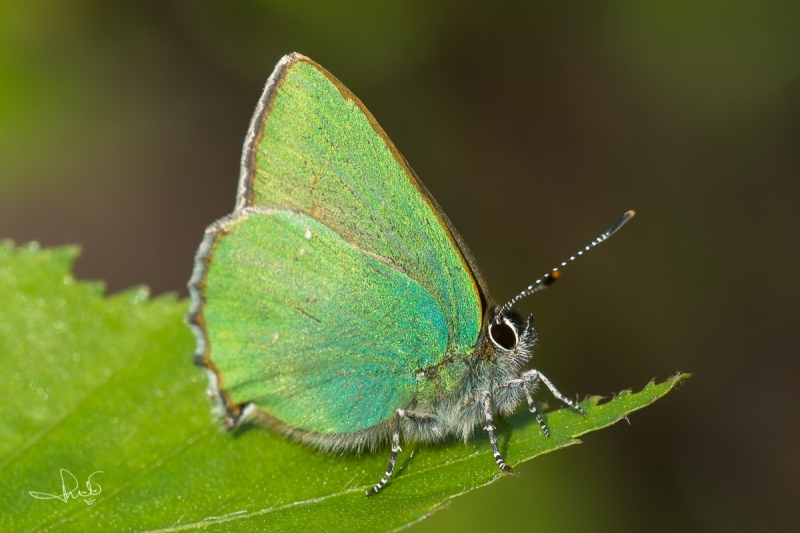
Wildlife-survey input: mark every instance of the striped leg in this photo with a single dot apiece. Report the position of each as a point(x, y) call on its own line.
point(534, 375)
point(487, 410)
point(531, 404)
point(532, 408)
point(389, 469)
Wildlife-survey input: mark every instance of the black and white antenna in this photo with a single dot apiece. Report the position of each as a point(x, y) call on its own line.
point(553, 275)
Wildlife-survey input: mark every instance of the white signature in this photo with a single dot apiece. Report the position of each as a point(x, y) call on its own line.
point(69, 489)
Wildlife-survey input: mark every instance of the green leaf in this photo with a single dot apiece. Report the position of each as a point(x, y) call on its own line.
point(106, 384)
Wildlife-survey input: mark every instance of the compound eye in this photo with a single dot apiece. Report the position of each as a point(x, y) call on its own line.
point(503, 335)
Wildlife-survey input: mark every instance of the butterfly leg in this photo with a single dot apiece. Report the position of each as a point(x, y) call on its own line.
point(487, 411)
point(531, 404)
point(532, 376)
point(235, 418)
point(392, 461)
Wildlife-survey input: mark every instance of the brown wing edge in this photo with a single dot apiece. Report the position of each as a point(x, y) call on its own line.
point(244, 195)
point(466, 253)
point(247, 173)
point(223, 405)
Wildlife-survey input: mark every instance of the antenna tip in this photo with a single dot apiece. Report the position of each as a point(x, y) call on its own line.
point(630, 213)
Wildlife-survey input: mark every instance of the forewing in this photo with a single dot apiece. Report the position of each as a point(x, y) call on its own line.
point(314, 148)
point(316, 332)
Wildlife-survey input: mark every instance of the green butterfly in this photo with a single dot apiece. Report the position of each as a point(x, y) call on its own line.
point(337, 304)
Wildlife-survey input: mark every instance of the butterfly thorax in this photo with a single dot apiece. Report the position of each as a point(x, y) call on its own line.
point(450, 393)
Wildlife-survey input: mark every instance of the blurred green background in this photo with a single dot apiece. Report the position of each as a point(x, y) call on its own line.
point(534, 125)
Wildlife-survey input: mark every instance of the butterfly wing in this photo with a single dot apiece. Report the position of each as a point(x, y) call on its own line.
point(319, 334)
point(330, 340)
point(314, 147)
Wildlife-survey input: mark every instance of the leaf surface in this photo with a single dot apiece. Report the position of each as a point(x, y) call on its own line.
point(106, 384)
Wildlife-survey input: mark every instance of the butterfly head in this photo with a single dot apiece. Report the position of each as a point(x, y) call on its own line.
point(511, 337)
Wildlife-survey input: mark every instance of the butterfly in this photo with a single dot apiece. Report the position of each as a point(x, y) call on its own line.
point(337, 304)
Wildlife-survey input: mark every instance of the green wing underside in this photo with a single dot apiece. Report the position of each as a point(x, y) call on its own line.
point(310, 328)
point(327, 334)
point(317, 150)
